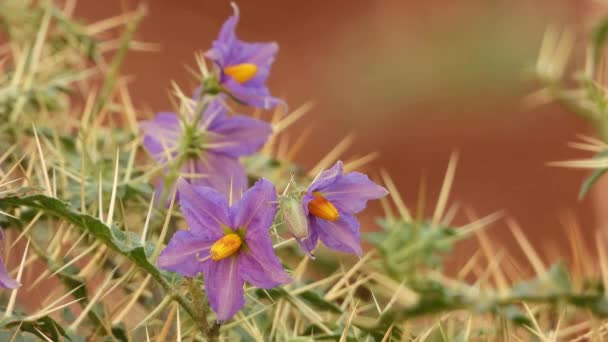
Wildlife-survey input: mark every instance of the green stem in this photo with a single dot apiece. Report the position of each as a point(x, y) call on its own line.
point(188, 136)
point(213, 332)
point(112, 73)
point(197, 299)
point(182, 301)
point(492, 303)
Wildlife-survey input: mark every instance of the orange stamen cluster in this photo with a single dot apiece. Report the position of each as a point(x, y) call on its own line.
point(241, 72)
point(322, 208)
point(226, 246)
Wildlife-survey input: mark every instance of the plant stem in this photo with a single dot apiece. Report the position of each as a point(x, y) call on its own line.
point(213, 332)
point(183, 301)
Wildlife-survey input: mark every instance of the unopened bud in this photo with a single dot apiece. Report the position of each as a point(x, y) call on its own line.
point(294, 217)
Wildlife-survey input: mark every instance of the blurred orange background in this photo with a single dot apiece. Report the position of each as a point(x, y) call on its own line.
point(413, 80)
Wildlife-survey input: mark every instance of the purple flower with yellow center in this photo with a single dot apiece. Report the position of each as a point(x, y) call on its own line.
point(6, 281)
point(211, 150)
point(228, 244)
point(243, 68)
point(330, 204)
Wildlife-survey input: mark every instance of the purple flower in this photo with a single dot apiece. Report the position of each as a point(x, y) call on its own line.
point(212, 153)
point(229, 245)
point(330, 204)
point(243, 67)
point(6, 282)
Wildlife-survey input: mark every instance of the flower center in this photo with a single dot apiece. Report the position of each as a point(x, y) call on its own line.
point(241, 72)
point(226, 246)
point(322, 208)
point(196, 143)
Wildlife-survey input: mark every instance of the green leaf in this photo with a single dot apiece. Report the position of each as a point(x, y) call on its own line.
point(68, 275)
point(318, 302)
point(515, 314)
point(588, 183)
point(15, 336)
point(595, 176)
point(554, 283)
point(310, 297)
point(600, 33)
point(120, 332)
point(127, 244)
point(42, 327)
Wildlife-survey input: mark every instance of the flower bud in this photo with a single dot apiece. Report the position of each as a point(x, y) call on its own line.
point(294, 216)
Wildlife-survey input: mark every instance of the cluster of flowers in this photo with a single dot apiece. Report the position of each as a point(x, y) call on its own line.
point(229, 243)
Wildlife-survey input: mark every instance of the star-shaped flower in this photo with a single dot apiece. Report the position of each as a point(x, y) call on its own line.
point(331, 202)
point(211, 154)
point(229, 245)
point(243, 68)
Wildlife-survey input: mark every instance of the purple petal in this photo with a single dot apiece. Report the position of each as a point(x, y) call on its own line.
point(215, 113)
point(6, 281)
point(351, 192)
point(159, 187)
point(221, 173)
point(309, 243)
point(205, 210)
point(222, 48)
point(326, 178)
point(256, 210)
point(216, 54)
point(228, 50)
point(237, 135)
point(161, 135)
point(184, 253)
point(305, 200)
point(259, 265)
point(224, 288)
point(227, 33)
point(255, 96)
point(261, 54)
point(342, 235)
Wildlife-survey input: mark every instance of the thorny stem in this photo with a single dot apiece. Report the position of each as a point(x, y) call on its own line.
point(213, 332)
point(197, 299)
point(113, 70)
point(197, 311)
point(494, 303)
point(189, 131)
point(183, 302)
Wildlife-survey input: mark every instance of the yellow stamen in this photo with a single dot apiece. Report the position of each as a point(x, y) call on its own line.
point(241, 72)
point(322, 208)
point(226, 246)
